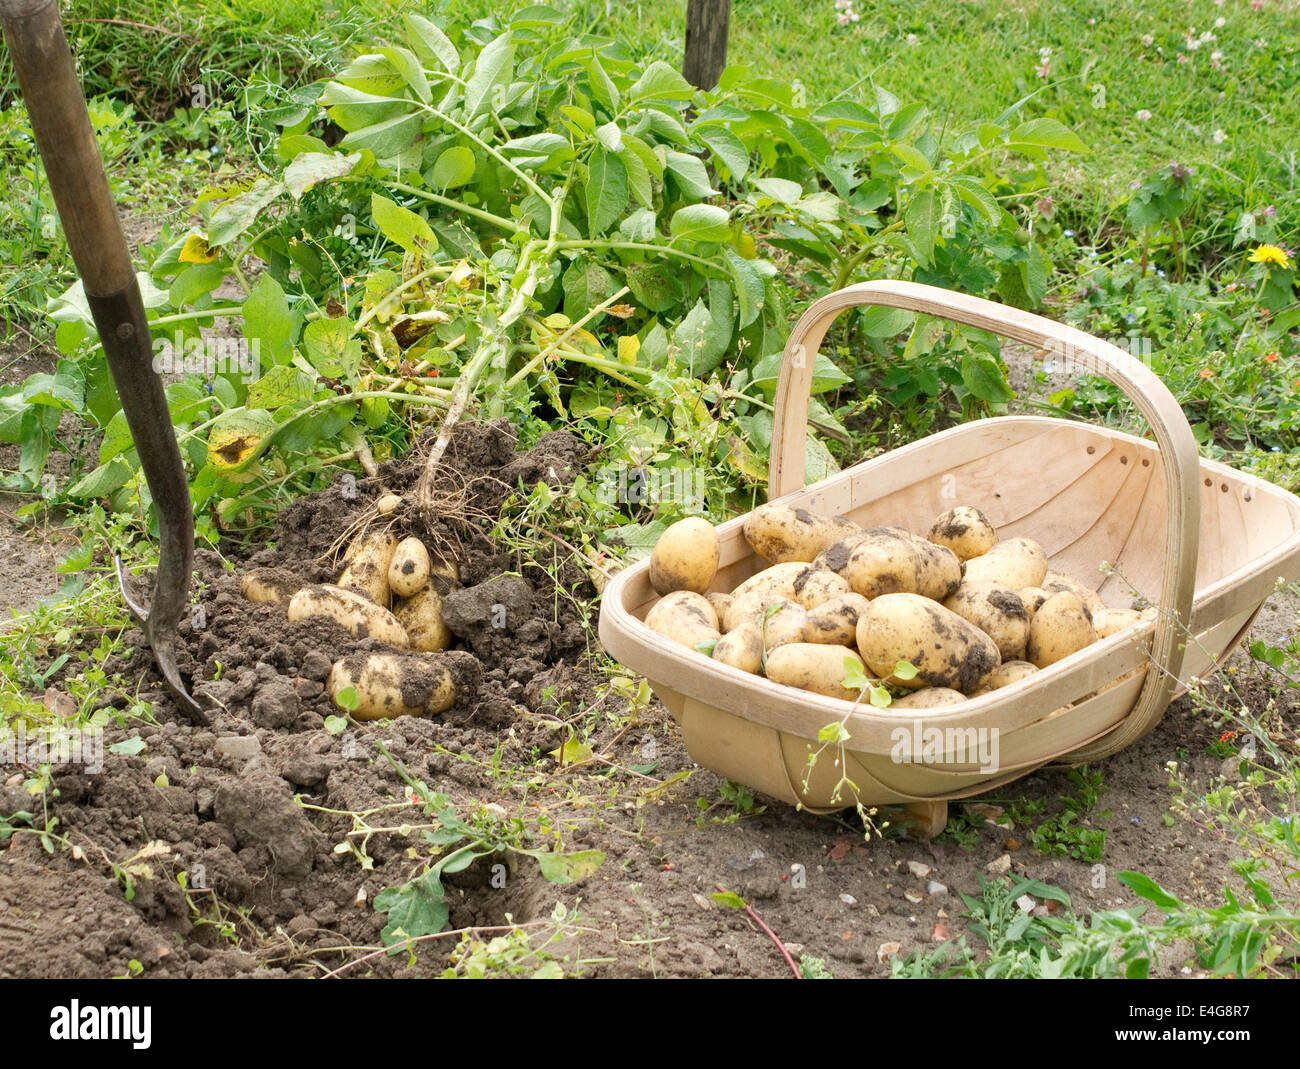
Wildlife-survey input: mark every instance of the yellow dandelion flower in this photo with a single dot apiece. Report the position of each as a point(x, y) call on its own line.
point(1270, 254)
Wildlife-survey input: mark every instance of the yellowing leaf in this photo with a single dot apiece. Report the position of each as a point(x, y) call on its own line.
point(574, 751)
point(197, 251)
point(628, 348)
point(235, 437)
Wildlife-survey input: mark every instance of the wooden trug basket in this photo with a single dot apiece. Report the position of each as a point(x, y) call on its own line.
point(1204, 543)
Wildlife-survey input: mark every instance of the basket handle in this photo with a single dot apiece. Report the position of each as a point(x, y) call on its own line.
point(1158, 406)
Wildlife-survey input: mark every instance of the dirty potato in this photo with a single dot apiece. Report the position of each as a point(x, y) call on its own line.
point(997, 611)
point(269, 586)
point(814, 586)
point(965, 530)
point(780, 623)
point(1061, 627)
point(1015, 562)
point(814, 667)
point(1003, 676)
point(741, 648)
point(353, 611)
point(947, 650)
point(684, 616)
point(928, 698)
point(1055, 582)
point(835, 622)
point(408, 571)
point(421, 616)
point(758, 591)
point(685, 557)
point(1033, 597)
point(781, 533)
point(392, 684)
point(368, 560)
point(938, 571)
point(886, 561)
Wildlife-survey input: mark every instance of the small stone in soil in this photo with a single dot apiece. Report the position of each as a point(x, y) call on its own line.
point(999, 867)
point(934, 887)
point(919, 870)
point(239, 747)
point(886, 951)
point(1026, 903)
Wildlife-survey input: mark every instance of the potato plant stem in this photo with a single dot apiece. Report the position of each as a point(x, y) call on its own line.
point(571, 330)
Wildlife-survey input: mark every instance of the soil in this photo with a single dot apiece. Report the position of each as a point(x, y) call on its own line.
point(255, 809)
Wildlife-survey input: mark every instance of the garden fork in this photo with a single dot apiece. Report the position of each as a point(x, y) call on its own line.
point(66, 142)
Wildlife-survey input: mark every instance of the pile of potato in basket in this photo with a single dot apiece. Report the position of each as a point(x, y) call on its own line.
point(969, 613)
point(389, 590)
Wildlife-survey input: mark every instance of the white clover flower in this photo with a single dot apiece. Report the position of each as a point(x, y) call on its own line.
point(1148, 40)
point(1220, 22)
point(1142, 115)
point(1219, 137)
point(912, 39)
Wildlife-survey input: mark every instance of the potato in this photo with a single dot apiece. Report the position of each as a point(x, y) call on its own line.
point(421, 616)
point(964, 530)
point(815, 586)
point(388, 504)
point(835, 557)
point(782, 625)
point(721, 603)
point(684, 616)
point(938, 571)
point(1033, 597)
point(392, 684)
point(444, 576)
point(269, 586)
point(351, 610)
point(741, 648)
point(928, 698)
point(408, 571)
point(1107, 622)
point(835, 622)
point(946, 650)
point(781, 533)
point(1061, 627)
point(1003, 676)
point(997, 611)
point(1055, 582)
point(368, 561)
point(758, 591)
point(884, 562)
point(685, 557)
point(1017, 562)
point(814, 667)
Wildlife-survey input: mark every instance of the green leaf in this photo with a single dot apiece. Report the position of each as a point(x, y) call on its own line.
point(494, 66)
point(660, 81)
point(569, 868)
point(331, 349)
point(689, 173)
point(977, 195)
point(268, 325)
point(922, 218)
point(638, 176)
point(700, 222)
point(750, 290)
point(911, 155)
point(1046, 133)
point(602, 88)
point(401, 225)
point(586, 284)
point(655, 285)
point(454, 168)
point(405, 63)
point(781, 190)
point(431, 44)
point(388, 138)
point(128, 747)
point(1145, 887)
point(701, 341)
point(415, 909)
point(102, 481)
point(729, 899)
point(194, 282)
point(239, 213)
point(905, 670)
point(281, 385)
point(606, 192)
point(336, 725)
point(727, 147)
point(982, 375)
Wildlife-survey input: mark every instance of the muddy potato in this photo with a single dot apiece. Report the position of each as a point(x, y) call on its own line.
point(781, 533)
point(758, 591)
point(1003, 676)
point(351, 610)
point(928, 698)
point(388, 504)
point(1055, 582)
point(1016, 562)
point(269, 586)
point(684, 616)
point(392, 684)
point(408, 571)
point(964, 530)
point(1033, 597)
point(814, 667)
point(685, 557)
point(835, 622)
point(1061, 627)
point(741, 648)
point(835, 557)
point(997, 611)
point(721, 603)
point(368, 562)
point(781, 624)
point(421, 616)
point(947, 650)
point(444, 576)
point(938, 571)
point(815, 586)
point(885, 562)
